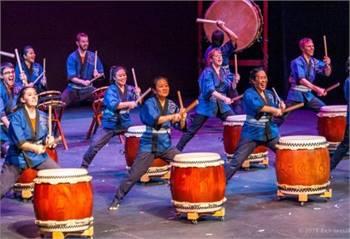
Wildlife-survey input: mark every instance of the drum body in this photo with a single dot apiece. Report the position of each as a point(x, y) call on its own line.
point(232, 132)
point(63, 200)
point(25, 181)
point(198, 182)
point(331, 124)
point(158, 168)
point(243, 17)
point(302, 164)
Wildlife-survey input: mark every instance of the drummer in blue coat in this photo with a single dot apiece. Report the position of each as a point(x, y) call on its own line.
point(7, 102)
point(227, 50)
point(258, 129)
point(31, 71)
point(159, 114)
point(80, 70)
point(28, 140)
point(118, 100)
point(214, 83)
point(303, 74)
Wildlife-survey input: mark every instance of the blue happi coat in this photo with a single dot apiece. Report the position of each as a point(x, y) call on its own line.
point(76, 68)
point(258, 125)
point(7, 105)
point(300, 69)
point(21, 131)
point(113, 118)
point(156, 138)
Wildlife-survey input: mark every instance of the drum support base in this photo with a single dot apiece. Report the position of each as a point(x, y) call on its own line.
point(61, 235)
point(24, 194)
point(194, 216)
point(247, 163)
point(304, 197)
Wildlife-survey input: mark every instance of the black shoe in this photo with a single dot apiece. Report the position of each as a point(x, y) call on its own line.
point(114, 205)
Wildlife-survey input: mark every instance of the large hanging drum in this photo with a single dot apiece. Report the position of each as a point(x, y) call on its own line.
point(243, 17)
point(302, 164)
point(158, 168)
point(198, 182)
point(331, 124)
point(63, 200)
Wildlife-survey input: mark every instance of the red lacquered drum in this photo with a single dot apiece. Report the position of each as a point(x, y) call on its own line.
point(198, 182)
point(63, 200)
point(331, 124)
point(158, 168)
point(24, 183)
point(232, 131)
point(243, 17)
point(302, 164)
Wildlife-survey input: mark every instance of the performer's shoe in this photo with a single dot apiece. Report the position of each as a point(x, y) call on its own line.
point(114, 205)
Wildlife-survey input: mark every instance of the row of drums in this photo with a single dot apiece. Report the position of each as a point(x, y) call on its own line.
point(63, 198)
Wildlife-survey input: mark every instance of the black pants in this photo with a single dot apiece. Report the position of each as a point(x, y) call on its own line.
point(341, 150)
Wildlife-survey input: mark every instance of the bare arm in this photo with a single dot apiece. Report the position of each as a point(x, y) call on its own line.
point(36, 148)
point(320, 91)
point(233, 37)
point(222, 97)
point(6, 121)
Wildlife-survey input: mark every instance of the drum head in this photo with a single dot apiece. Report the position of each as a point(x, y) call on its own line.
point(334, 108)
point(241, 16)
point(135, 131)
point(295, 142)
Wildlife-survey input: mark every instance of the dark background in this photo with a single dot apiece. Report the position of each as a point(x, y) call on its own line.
point(161, 38)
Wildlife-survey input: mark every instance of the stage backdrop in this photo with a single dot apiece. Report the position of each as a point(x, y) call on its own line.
point(161, 38)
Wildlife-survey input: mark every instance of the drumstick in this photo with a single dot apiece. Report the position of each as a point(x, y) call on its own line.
point(277, 97)
point(237, 98)
point(236, 65)
point(143, 95)
point(55, 141)
point(332, 87)
point(44, 66)
point(325, 45)
point(191, 106)
point(180, 99)
point(4, 53)
point(135, 81)
point(18, 61)
point(49, 119)
point(38, 78)
point(96, 78)
point(95, 62)
point(202, 20)
point(293, 107)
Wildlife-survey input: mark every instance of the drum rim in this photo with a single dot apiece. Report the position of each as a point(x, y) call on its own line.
point(333, 108)
point(54, 92)
point(231, 118)
point(62, 172)
point(197, 157)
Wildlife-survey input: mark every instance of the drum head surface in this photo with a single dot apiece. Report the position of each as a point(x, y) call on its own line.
point(241, 16)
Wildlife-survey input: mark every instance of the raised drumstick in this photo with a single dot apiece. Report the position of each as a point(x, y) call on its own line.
point(44, 67)
point(38, 78)
point(180, 99)
point(293, 107)
point(202, 20)
point(191, 106)
point(236, 65)
point(143, 95)
point(277, 97)
point(4, 53)
point(18, 61)
point(135, 81)
point(325, 45)
point(95, 61)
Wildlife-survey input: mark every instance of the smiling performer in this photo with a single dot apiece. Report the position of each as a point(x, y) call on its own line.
point(214, 83)
point(28, 140)
point(118, 100)
point(258, 129)
point(7, 102)
point(80, 71)
point(303, 73)
point(31, 71)
point(159, 114)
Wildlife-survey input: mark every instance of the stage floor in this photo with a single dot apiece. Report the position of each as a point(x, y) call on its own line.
point(252, 208)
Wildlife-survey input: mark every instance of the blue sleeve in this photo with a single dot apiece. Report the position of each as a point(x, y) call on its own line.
point(131, 93)
point(149, 114)
point(319, 66)
point(206, 84)
point(2, 107)
point(228, 48)
point(346, 89)
point(111, 99)
point(71, 67)
point(99, 65)
point(298, 70)
point(16, 132)
point(252, 102)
